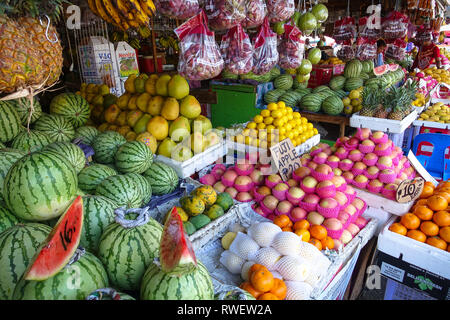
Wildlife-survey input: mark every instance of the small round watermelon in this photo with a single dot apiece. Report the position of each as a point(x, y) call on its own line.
point(56, 127)
point(133, 156)
point(106, 145)
point(90, 177)
point(30, 141)
point(163, 178)
point(72, 152)
point(122, 189)
point(71, 106)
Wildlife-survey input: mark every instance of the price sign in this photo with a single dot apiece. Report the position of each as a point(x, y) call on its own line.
point(285, 158)
point(409, 190)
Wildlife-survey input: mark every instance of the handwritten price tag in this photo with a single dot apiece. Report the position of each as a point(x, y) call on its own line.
point(409, 190)
point(286, 158)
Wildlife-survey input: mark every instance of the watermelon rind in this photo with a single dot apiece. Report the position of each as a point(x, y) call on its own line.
point(163, 178)
point(74, 282)
point(7, 158)
point(106, 145)
point(71, 152)
point(56, 127)
point(122, 189)
point(87, 134)
point(71, 106)
point(7, 219)
point(22, 106)
point(30, 141)
point(90, 177)
point(127, 252)
point(18, 245)
point(144, 185)
point(10, 124)
point(133, 156)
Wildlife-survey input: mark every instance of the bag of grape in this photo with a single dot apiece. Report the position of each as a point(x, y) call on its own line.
point(200, 58)
point(395, 49)
point(366, 48)
point(291, 48)
point(346, 52)
point(225, 14)
point(255, 12)
point(237, 51)
point(394, 26)
point(178, 9)
point(265, 54)
point(368, 28)
point(423, 33)
point(280, 10)
point(344, 30)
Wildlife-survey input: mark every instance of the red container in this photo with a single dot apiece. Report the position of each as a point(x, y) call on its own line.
point(320, 75)
point(147, 64)
point(424, 129)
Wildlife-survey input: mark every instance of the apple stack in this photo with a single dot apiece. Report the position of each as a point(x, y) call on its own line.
point(366, 161)
point(316, 194)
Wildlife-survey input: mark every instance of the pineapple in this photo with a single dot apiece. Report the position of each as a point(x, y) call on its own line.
point(27, 56)
point(400, 99)
point(371, 98)
point(380, 112)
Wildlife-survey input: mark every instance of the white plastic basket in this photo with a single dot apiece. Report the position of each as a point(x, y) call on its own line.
point(385, 125)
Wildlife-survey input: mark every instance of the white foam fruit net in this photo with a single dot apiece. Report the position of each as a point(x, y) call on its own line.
point(298, 290)
point(245, 267)
point(293, 268)
point(268, 257)
point(231, 261)
point(244, 246)
point(287, 243)
point(263, 233)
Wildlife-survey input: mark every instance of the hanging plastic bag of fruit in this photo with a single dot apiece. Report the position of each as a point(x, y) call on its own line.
point(225, 14)
point(394, 26)
point(396, 49)
point(280, 10)
point(369, 28)
point(366, 48)
point(291, 48)
point(200, 58)
point(178, 9)
point(265, 53)
point(255, 12)
point(237, 51)
point(423, 33)
point(346, 52)
point(344, 30)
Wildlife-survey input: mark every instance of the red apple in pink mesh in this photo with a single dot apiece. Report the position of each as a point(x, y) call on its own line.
point(321, 157)
point(363, 133)
point(243, 169)
point(353, 141)
point(302, 172)
point(350, 209)
point(355, 155)
point(292, 183)
point(385, 161)
point(337, 244)
point(270, 202)
point(315, 218)
point(373, 170)
point(353, 229)
point(304, 161)
point(264, 190)
point(208, 179)
point(219, 186)
point(333, 158)
point(232, 192)
point(312, 165)
point(337, 172)
point(382, 147)
point(359, 166)
point(295, 194)
point(346, 237)
point(343, 217)
point(370, 156)
point(329, 203)
point(378, 135)
point(358, 203)
point(272, 180)
point(218, 171)
point(298, 214)
point(324, 169)
point(361, 178)
point(368, 143)
point(332, 224)
point(244, 197)
point(257, 177)
point(341, 198)
point(326, 189)
point(306, 156)
point(258, 210)
point(309, 182)
point(228, 177)
point(348, 175)
point(327, 151)
point(284, 207)
point(279, 191)
point(311, 198)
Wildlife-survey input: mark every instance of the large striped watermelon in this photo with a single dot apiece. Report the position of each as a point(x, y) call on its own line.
point(98, 214)
point(87, 134)
point(74, 282)
point(337, 82)
point(57, 127)
point(71, 106)
point(162, 177)
point(18, 245)
point(90, 177)
point(133, 156)
point(122, 189)
point(311, 102)
point(40, 186)
point(283, 81)
point(7, 219)
point(353, 83)
point(71, 151)
point(144, 185)
point(23, 108)
point(195, 285)
point(10, 124)
point(127, 252)
point(332, 105)
point(30, 141)
point(106, 145)
point(353, 68)
point(7, 158)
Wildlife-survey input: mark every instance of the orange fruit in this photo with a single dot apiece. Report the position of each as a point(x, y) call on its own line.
point(281, 220)
point(290, 224)
point(316, 243)
point(255, 267)
point(288, 229)
point(444, 233)
point(248, 287)
point(448, 248)
point(442, 184)
point(410, 221)
point(421, 202)
point(327, 243)
point(398, 228)
point(279, 289)
point(437, 203)
point(302, 224)
point(442, 218)
point(444, 194)
point(262, 280)
point(423, 212)
point(416, 235)
point(429, 228)
point(437, 242)
point(303, 233)
point(268, 296)
point(319, 232)
point(426, 192)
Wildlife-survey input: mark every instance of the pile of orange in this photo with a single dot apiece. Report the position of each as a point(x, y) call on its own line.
point(429, 219)
point(314, 234)
point(263, 285)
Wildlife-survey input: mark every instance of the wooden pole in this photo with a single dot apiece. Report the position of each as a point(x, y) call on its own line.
point(155, 58)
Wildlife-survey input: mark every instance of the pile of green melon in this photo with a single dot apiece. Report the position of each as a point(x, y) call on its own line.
point(43, 176)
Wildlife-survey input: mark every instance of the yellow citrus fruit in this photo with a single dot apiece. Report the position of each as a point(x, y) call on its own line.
point(265, 113)
point(315, 131)
point(272, 106)
point(261, 126)
point(277, 122)
point(258, 119)
point(297, 115)
point(304, 120)
point(251, 125)
point(281, 104)
point(268, 120)
point(346, 101)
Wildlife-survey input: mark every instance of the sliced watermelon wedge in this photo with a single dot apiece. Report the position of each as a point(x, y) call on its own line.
point(176, 254)
point(380, 70)
point(60, 245)
point(393, 66)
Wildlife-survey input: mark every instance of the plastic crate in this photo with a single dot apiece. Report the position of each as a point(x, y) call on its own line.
point(385, 125)
point(430, 127)
point(320, 75)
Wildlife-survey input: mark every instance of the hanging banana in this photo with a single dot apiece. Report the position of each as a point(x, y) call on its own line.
point(91, 4)
point(112, 12)
point(144, 32)
point(138, 12)
point(148, 6)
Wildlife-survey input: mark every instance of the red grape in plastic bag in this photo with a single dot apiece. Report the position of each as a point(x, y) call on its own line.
point(280, 10)
point(237, 51)
point(178, 9)
point(291, 48)
point(255, 12)
point(265, 53)
point(225, 14)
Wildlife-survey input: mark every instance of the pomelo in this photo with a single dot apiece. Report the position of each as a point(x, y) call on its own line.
point(190, 107)
point(178, 87)
point(161, 85)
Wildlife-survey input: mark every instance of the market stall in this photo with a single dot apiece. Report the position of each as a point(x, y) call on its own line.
point(223, 150)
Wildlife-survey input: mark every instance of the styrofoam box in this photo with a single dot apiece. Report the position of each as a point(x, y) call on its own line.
point(379, 214)
point(417, 253)
point(431, 124)
point(380, 202)
point(197, 162)
point(385, 125)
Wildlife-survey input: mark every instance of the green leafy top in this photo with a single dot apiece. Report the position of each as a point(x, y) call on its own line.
point(371, 97)
point(400, 98)
point(33, 8)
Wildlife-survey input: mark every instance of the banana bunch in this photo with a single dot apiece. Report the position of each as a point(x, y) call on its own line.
point(144, 32)
point(124, 14)
point(135, 43)
point(169, 42)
